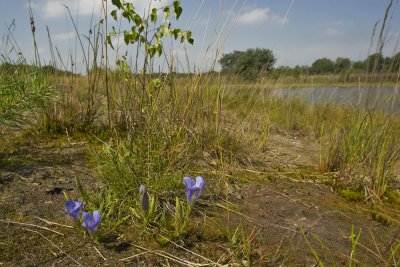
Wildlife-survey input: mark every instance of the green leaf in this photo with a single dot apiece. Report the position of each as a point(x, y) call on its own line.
point(126, 15)
point(127, 37)
point(117, 3)
point(189, 37)
point(137, 19)
point(176, 33)
point(157, 37)
point(163, 30)
point(151, 50)
point(112, 33)
point(82, 190)
point(159, 49)
point(140, 29)
point(156, 83)
point(134, 35)
point(114, 14)
point(178, 213)
point(130, 8)
point(177, 9)
point(152, 206)
point(66, 196)
point(153, 15)
point(166, 12)
point(108, 39)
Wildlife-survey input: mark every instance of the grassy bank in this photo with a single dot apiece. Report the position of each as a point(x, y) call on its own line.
point(275, 81)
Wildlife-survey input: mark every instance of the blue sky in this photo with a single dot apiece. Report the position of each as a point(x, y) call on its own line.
point(298, 31)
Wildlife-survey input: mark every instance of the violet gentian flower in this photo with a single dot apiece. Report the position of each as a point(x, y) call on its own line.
point(193, 188)
point(73, 208)
point(91, 222)
point(144, 198)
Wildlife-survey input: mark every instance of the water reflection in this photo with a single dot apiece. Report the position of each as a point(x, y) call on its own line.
point(372, 98)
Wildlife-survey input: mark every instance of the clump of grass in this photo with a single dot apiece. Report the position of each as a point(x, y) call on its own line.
point(23, 89)
point(352, 195)
point(392, 196)
point(381, 218)
point(355, 257)
point(361, 146)
point(241, 242)
point(163, 124)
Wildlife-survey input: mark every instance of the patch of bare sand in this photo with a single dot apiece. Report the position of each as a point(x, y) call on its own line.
point(290, 204)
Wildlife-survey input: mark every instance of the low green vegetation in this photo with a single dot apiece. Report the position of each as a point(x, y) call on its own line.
point(352, 195)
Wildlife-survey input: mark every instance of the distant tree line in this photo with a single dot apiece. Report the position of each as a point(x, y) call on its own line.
point(373, 63)
point(253, 62)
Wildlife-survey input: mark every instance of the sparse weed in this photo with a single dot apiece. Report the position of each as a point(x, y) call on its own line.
point(241, 241)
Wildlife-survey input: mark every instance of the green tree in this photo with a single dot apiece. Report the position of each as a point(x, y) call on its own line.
point(342, 64)
point(395, 62)
point(248, 63)
point(360, 65)
point(322, 66)
point(375, 62)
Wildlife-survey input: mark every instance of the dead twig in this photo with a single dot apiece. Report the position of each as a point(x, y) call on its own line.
point(257, 223)
point(32, 225)
point(189, 251)
point(53, 223)
point(54, 245)
point(101, 255)
point(134, 256)
point(169, 256)
point(294, 200)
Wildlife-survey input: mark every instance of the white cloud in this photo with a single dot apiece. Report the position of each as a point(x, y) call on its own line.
point(258, 15)
point(254, 16)
point(332, 31)
point(63, 36)
point(51, 9)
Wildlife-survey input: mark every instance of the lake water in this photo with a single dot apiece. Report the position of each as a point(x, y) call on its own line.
point(382, 98)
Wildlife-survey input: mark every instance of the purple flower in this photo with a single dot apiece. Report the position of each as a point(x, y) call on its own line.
point(193, 188)
point(91, 222)
point(73, 208)
point(144, 198)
